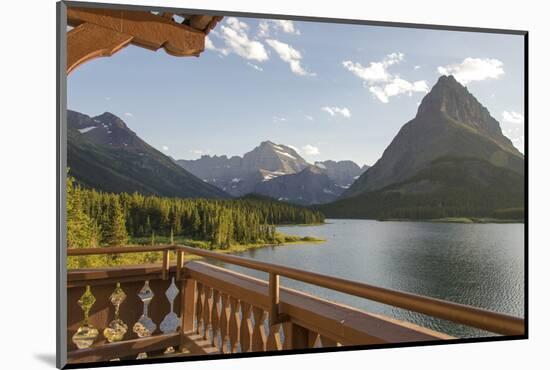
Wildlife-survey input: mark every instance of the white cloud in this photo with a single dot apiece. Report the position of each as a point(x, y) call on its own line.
point(165, 148)
point(296, 149)
point(208, 44)
point(474, 69)
point(289, 55)
point(310, 150)
point(256, 67)
point(512, 117)
point(343, 111)
point(128, 114)
point(236, 24)
point(263, 28)
point(381, 82)
point(417, 67)
point(376, 71)
point(519, 143)
point(234, 34)
point(268, 25)
point(396, 87)
point(512, 127)
point(286, 26)
point(308, 117)
point(277, 119)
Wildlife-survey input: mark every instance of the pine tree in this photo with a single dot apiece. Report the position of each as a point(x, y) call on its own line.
point(82, 231)
point(115, 233)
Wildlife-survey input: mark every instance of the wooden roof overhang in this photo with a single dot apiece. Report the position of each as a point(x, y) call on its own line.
point(103, 32)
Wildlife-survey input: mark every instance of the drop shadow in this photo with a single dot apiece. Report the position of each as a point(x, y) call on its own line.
point(46, 358)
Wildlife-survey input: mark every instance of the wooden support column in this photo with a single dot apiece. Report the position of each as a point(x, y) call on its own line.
point(274, 299)
point(165, 264)
point(275, 316)
point(188, 307)
point(180, 257)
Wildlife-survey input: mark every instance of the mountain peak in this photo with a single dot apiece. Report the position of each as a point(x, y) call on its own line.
point(448, 80)
point(111, 119)
point(450, 101)
point(267, 143)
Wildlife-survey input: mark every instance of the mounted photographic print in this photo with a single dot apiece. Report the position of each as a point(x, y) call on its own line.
point(236, 185)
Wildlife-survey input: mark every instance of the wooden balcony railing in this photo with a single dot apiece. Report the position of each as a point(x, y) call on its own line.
point(209, 310)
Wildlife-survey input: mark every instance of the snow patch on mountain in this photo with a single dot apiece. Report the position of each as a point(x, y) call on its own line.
point(87, 129)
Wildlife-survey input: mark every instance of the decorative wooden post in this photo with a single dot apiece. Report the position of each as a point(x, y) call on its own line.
point(188, 306)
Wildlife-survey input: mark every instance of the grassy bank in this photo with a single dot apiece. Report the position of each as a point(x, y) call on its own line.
point(156, 257)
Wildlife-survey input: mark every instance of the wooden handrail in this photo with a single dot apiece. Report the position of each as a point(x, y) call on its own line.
point(455, 312)
point(116, 250)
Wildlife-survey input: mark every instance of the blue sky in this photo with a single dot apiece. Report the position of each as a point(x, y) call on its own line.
point(332, 91)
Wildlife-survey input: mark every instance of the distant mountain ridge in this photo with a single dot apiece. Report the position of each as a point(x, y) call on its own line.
point(451, 134)
point(309, 186)
point(104, 154)
point(267, 170)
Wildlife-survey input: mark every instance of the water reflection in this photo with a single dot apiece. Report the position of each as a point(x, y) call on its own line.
point(474, 264)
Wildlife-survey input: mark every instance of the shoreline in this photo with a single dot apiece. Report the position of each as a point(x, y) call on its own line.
point(101, 261)
point(239, 248)
point(451, 220)
point(460, 220)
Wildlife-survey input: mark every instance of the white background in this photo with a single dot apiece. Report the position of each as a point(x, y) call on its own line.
point(27, 206)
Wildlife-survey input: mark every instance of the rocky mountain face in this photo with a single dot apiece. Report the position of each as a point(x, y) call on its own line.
point(343, 173)
point(239, 175)
point(103, 153)
point(450, 160)
point(309, 186)
point(277, 171)
point(450, 122)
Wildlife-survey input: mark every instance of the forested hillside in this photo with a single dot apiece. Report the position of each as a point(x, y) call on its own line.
point(105, 219)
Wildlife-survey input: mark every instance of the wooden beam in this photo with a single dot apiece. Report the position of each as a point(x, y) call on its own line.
point(89, 41)
point(103, 32)
point(109, 351)
point(200, 22)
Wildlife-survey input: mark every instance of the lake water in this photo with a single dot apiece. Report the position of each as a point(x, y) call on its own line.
point(475, 264)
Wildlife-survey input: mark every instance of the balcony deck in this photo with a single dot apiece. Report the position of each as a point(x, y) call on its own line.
point(196, 308)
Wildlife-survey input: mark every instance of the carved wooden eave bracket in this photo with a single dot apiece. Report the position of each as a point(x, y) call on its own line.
point(103, 32)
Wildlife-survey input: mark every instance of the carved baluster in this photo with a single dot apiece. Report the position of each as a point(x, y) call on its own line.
point(274, 342)
point(207, 314)
point(313, 340)
point(87, 333)
point(258, 335)
point(200, 305)
point(224, 324)
point(327, 342)
point(171, 321)
point(145, 327)
point(117, 328)
point(234, 324)
point(216, 319)
point(246, 327)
